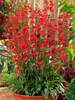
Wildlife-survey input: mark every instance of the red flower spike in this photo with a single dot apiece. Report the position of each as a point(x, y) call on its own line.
point(33, 34)
point(49, 54)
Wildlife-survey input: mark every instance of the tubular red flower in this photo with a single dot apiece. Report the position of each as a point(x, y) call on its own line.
point(34, 35)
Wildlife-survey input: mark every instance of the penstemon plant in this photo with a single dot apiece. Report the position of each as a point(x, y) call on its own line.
point(37, 42)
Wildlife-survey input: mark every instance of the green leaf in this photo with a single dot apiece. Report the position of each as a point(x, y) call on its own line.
point(1, 12)
point(72, 36)
point(73, 25)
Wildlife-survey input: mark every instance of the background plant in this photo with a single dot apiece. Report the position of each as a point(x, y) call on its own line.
point(69, 6)
point(70, 93)
point(5, 9)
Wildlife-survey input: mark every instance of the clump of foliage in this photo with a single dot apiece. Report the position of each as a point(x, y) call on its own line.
point(70, 93)
point(5, 9)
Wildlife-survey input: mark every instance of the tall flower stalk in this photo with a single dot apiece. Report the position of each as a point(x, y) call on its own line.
point(31, 37)
point(37, 41)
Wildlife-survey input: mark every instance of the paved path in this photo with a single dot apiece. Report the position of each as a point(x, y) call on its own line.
point(5, 94)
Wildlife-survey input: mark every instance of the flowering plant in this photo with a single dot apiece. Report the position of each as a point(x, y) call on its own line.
point(5, 8)
point(37, 41)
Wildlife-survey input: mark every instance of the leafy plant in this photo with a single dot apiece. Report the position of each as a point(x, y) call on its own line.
point(66, 6)
point(34, 82)
point(70, 93)
point(5, 9)
point(5, 78)
point(71, 53)
point(36, 50)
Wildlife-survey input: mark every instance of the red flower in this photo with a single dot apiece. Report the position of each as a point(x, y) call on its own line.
point(33, 34)
point(63, 57)
point(34, 38)
point(8, 8)
point(4, 51)
point(33, 45)
point(39, 62)
point(51, 6)
point(51, 9)
point(49, 54)
point(25, 58)
point(1, 3)
point(13, 50)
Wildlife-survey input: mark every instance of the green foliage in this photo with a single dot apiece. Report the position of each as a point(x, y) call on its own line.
point(70, 94)
point(67, 6)
point(72, 35)
point(6, 78)
point(5, 5)
point(70, 51)
point(72, 29)
point(35, 81)
point(18, 6)
point(73, 24)
point(63, 1)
